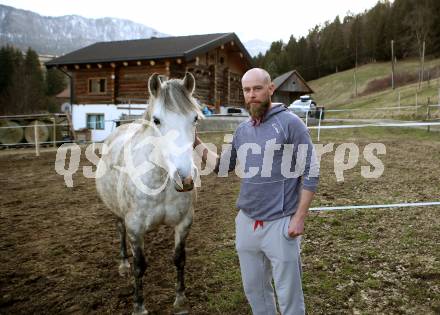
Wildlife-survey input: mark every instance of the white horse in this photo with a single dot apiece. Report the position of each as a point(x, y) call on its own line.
point(146, 177)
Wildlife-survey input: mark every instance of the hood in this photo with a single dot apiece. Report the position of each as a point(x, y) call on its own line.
point(275, 109)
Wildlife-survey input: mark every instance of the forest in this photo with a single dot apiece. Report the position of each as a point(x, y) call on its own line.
point(359, 39)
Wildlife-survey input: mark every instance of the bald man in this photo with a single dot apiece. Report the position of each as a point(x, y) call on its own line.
point(274, 200)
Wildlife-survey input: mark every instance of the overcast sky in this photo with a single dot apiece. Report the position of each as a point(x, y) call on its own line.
point(268, 20)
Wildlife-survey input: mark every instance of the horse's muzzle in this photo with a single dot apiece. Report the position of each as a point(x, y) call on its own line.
point(187, 185)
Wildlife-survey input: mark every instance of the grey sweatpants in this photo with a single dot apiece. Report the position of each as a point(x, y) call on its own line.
point(268, 252)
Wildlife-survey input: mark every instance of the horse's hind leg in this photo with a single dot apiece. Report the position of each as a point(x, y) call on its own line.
point(181, 233)
point(124, 266)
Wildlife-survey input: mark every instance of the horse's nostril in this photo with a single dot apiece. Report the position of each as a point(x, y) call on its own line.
point(186, 185)
point(188, 181)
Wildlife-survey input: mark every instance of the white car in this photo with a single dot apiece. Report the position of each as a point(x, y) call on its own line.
point(305, 105)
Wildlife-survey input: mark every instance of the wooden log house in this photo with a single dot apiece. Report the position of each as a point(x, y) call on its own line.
point(117, 72)
point(289, 87)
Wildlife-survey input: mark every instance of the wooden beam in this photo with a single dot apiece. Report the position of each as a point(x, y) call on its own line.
point(76, 67)
point(99, 65)
point(232, 43)
point(113, 65)
point(197, 61)
point(229, 86)
point(125, 63)
point(179, 61)
point(88, 66)
point(152, 63)
point(139, 63)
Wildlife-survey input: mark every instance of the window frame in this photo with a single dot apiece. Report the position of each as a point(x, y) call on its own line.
point(95, 114)
point(89, 80)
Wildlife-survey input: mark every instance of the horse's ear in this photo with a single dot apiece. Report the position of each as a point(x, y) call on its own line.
point(154, 84)
point(162, 78)
point(189, 82)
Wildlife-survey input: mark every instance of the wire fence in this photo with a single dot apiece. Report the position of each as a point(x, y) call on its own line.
point(319, 127)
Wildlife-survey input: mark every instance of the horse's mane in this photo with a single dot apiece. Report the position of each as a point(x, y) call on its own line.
point(175, 98)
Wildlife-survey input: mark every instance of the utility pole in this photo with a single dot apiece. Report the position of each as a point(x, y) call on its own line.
point(392, 64)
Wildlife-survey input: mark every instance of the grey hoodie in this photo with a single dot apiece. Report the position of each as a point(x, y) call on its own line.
point(270, 187)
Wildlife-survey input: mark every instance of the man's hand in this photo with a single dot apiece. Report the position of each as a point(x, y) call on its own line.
point(197, 140)
point(206, 154)
point(296, 226)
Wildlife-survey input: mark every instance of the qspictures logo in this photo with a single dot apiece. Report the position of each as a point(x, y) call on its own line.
point(303, 160)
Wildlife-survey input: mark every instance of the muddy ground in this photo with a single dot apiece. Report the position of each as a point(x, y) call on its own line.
point(59, 245)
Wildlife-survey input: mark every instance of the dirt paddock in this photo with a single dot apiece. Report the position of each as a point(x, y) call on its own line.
point(59, 246)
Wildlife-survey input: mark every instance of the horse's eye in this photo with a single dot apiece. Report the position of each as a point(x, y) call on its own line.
point(156, 121)
point(196, 119)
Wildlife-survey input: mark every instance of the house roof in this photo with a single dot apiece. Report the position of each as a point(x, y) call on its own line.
point(186, 47)
point(278, 81)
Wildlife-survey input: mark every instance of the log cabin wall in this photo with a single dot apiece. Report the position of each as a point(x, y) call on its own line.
point(218, 78)
point(133, 81)
point(82, 94)
point(203, 75)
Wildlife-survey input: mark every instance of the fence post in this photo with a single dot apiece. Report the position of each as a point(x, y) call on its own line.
point(54, 132)
point(319, 122)
point(37, 145)
point(417, 103)
point(399, 102)
point(428, 113)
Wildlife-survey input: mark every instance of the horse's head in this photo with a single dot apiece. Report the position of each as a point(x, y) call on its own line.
point(173, 113)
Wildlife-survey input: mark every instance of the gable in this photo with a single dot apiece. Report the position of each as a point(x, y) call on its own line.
point(291, 82)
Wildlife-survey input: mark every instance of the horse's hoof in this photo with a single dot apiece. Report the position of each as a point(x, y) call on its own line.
point(180, 305)
point(124, 269)
point(140, 311)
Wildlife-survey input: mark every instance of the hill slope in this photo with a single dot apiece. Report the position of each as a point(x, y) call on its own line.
point(337, 90)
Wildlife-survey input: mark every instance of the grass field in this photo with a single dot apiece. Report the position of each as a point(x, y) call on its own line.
point(383, 261)
point(337, 91)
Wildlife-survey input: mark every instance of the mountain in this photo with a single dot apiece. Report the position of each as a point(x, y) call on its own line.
point(60, 35)
point(256, 46)
point(49, 35)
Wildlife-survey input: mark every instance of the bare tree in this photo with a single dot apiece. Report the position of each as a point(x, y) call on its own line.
point(420, 21)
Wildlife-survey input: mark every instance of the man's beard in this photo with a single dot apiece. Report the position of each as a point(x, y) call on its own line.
point(257, 111)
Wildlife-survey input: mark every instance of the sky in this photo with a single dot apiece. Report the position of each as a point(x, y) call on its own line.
point(268, 20)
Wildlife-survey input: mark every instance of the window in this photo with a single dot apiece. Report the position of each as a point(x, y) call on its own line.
point(97, 85)
point(95, 121)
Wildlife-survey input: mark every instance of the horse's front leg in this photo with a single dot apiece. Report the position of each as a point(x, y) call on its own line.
point(181, 233)
point(124, 266)
point(136, 239)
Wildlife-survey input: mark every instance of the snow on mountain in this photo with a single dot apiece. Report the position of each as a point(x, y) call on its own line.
point(50, 35)
point(256, 46)
point(59, 35)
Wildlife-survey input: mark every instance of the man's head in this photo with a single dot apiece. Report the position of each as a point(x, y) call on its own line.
point(257, 90)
